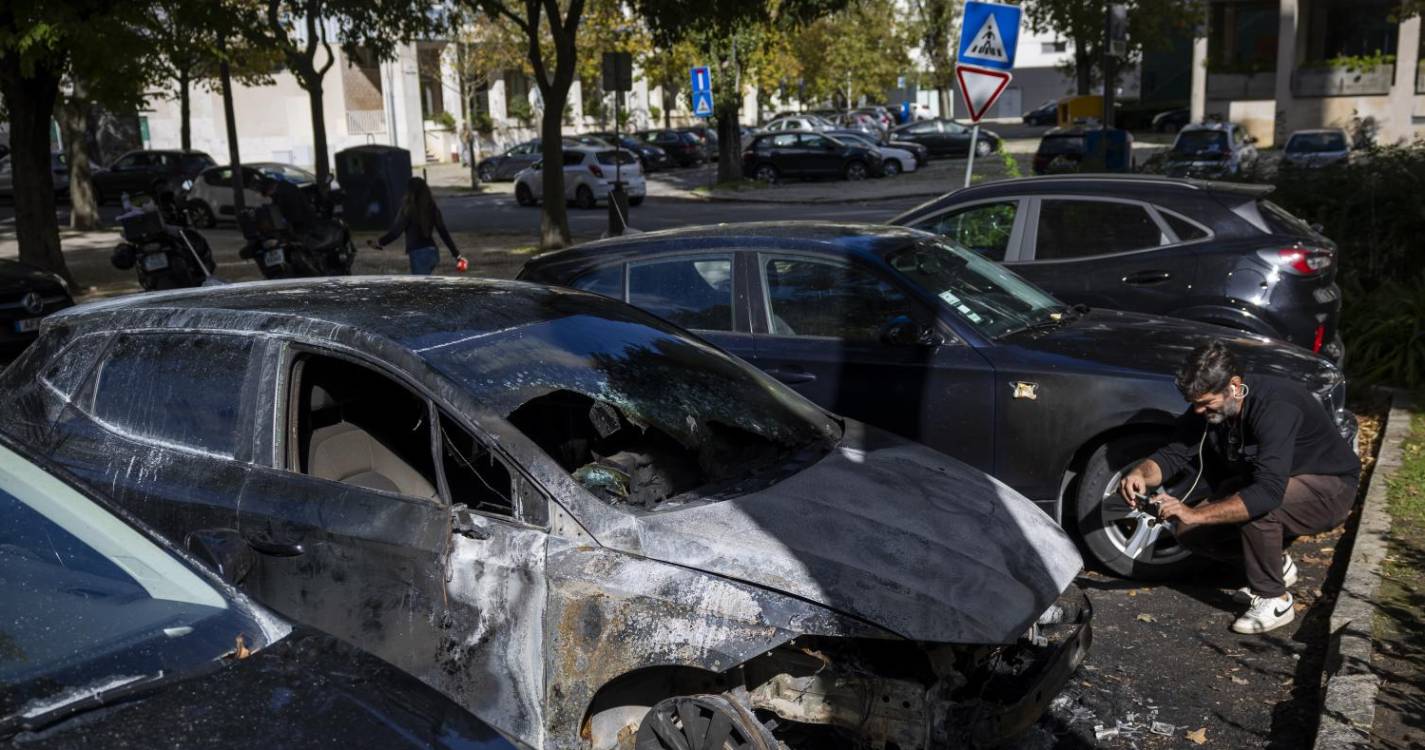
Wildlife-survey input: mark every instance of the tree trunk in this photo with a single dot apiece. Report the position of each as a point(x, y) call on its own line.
point(554, 219)
point(31, 99)
point(1083, 69)
point(670, 96)
point(729, 142)
point(185, 112)
point(320, 162)
point(73, 116)
point(947, 102)
point(230, 121)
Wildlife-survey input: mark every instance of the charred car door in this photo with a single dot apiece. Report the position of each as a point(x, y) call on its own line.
point(857, 344)
point(163, 424)
point(357, 534)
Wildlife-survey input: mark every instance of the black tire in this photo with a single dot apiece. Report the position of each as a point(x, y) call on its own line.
point(202, 213)
point(123, 256)
point(1097, 514)
point(890, 168)
point(766, 173)
point(523, 196)
point(701, 722)
point(984, 148)
point(486, 173)
point(584, 197)
point(856, 171)
point(635, 200)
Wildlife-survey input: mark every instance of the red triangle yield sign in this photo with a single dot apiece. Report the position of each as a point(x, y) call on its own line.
point(980, 87)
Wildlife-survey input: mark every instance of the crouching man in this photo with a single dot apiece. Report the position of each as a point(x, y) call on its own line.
point(1277, 468)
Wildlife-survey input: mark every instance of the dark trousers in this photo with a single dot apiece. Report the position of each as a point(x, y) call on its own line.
point(1312, 503)
point(424, 260)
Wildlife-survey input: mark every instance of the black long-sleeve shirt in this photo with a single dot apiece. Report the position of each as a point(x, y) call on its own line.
point(1281, 432)
point(415, 239)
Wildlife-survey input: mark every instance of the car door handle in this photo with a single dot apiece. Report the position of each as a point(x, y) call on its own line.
point(275, 549)
point(1147, 278)
point(792, 377)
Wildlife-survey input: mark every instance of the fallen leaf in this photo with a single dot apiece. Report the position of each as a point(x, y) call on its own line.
point(1132, 592)
point(242, 651)
point(1300, 607)
point(1198, 737)
point(1145, 617)
point(1238, 680)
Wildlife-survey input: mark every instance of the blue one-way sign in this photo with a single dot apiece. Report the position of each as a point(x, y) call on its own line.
point(989, 35)
point(702, 91)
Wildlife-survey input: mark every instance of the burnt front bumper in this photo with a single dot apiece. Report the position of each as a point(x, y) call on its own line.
point(1028, 675)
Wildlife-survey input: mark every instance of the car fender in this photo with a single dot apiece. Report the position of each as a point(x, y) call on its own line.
point(611, 614)
point(1241, 317)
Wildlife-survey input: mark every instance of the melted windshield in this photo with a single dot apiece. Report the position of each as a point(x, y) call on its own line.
point(90, 603)
point(637, 412)
point(993, 300)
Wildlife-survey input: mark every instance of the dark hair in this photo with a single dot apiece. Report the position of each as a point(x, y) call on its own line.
point(1208, 369)
point(419, 206)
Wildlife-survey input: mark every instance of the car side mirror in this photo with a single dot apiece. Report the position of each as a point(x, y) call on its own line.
point(223, 550)
point(902, 331)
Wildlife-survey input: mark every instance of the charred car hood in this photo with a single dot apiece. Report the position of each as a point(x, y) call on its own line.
point(888, 531)
point(1160, 345)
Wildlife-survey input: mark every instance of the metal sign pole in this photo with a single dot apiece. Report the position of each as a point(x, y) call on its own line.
point(970, 158)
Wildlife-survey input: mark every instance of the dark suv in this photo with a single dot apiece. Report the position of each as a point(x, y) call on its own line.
point(136, 171)
point(773, 156)
point(1210, 251)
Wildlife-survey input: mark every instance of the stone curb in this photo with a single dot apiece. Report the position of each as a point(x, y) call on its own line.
point(1348, 707)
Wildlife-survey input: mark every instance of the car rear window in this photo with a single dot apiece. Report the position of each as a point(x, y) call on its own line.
point(179, 391)
point(1064, 144)
point(611, 158)
point(573, 158)
point(1316, 143)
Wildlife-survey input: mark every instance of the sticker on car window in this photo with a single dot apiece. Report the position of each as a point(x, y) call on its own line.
point(949, 297)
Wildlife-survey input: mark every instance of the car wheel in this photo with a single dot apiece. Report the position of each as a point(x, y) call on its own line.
point(856, 171)
point(523, 195)
point(701, 722)
point(891, 167)
point(635, 200)
point(1105, 523)
point(202, 214)
point(765, 173)
point(487, 173)
point(584, 197)
point(984, 148)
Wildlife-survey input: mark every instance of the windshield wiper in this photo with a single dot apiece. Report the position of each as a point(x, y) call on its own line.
point(1055, 319)
point(54, 710)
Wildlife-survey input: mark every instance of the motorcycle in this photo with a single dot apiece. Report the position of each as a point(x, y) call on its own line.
point(163, 246)
point(281, 253)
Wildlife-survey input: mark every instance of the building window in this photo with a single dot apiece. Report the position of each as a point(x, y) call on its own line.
point(1242, 37)
point(1358, 28)
point(1053, 48)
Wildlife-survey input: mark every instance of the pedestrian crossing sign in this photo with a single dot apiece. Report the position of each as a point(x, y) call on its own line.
point(703, 103)
point(989, 33)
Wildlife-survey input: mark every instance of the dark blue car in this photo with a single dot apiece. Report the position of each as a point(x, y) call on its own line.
point(902, 329)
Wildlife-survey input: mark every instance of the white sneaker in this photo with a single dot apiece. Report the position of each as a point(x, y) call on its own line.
point(1289, 575)
point(1266, 614)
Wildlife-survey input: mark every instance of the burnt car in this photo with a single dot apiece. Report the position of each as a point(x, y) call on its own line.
point(114, 638)
point(571, 517)
point(27, 294)
point(1217, 252)
point(932, 341)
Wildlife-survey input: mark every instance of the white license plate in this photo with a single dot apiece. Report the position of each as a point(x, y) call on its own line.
point(274, 257)
point(155, 261)
point(28, 325)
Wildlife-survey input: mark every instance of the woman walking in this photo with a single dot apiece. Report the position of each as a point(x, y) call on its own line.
point(420, 219)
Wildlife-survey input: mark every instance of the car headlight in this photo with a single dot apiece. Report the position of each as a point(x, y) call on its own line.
point(60, 280)
point(187, 185)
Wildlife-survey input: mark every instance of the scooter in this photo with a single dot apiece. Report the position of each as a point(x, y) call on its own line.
point(280, 253)
point(162, 245)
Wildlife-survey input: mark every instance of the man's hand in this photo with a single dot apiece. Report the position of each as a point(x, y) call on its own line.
point(1132, 486)
point(1173, 510)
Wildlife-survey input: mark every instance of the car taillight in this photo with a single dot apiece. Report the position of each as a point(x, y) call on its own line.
point(598, 172)
point(1299, 261)
point(1318, 340)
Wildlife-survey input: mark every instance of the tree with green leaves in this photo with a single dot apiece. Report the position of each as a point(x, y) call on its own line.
point(1151, 24)
point(727, 34)
point(302, 31)
point(42, 42)
point(856, 52)
point(555, 24)
point(934, 25)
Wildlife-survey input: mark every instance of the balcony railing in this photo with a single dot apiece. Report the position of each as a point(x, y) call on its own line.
point(365, 121)
point(1341, 81)
point(1241, 85)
